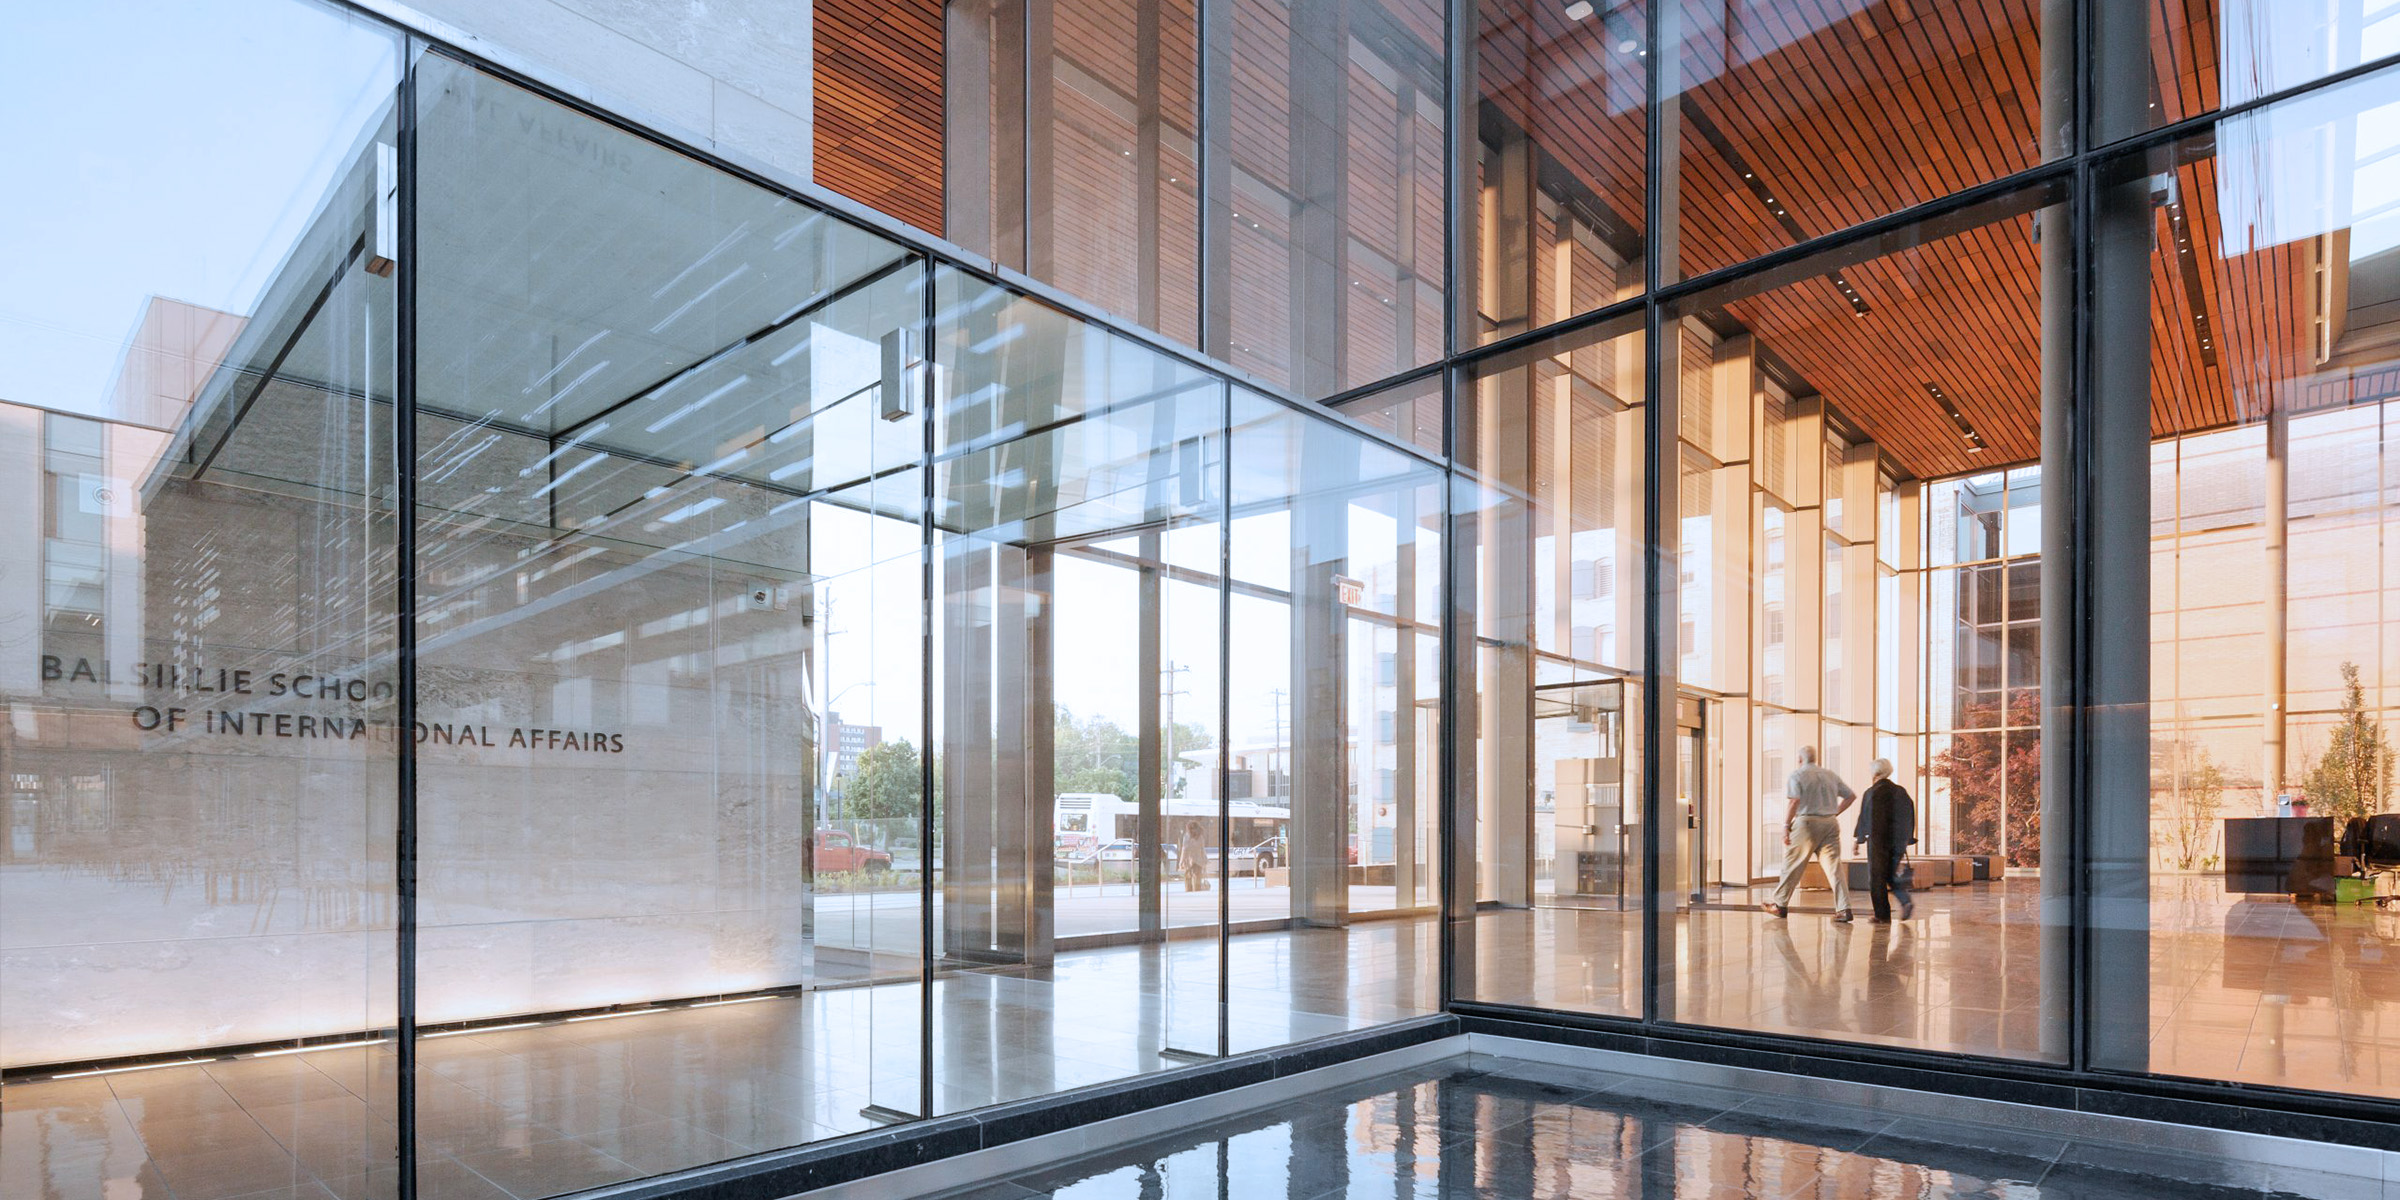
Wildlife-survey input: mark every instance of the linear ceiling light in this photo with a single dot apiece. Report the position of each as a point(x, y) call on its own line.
point(1966, 430)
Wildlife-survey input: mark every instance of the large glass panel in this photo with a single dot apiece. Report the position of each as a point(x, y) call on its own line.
point(1559, 191)
point(2248, 278)
point(1083, 827)
point(669, 646)
point(198, 603)
point(2167, 62)
point(1795, 118)
point(1408, 412)
point(1549, 555)
point(1334, 720)
point(1327, 213)
point(1074, 148)
point(1822, 604)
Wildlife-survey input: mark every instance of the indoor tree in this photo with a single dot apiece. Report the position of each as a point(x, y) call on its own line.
point(2355, 774)
point(2191, 788)
point(1995, 778)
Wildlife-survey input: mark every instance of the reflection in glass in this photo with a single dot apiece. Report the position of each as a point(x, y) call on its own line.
point(669, 564)
point(1327, 224)
point(2169, 62)
point(1860, 580)
point(1796, 119)
point(2253, 868)
point(1334, 696)
point(1559, 189)
point(198, 610)
point(1550, 534)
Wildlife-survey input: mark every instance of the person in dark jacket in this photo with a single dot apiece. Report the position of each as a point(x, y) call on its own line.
point(1887, 826)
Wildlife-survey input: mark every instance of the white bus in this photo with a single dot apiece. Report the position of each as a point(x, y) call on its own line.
point(1104, 817)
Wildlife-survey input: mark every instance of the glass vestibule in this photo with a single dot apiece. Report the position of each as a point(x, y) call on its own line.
point(774, 590)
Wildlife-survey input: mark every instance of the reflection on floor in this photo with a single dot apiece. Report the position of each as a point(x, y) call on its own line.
point(2256, 989)
point(553, 1108)
point(1503, 1128)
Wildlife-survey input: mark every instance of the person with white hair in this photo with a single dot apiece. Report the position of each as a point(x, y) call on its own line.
point(1815, 796)
point(1887, 827)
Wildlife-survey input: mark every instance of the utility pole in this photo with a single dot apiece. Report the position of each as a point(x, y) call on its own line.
point(1276, 767)
point(1167, 693)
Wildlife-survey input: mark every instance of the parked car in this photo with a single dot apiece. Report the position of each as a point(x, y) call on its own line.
point(1253, 860)
point(838, 851)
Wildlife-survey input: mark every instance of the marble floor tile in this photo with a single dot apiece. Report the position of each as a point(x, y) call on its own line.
point(1442, 1133)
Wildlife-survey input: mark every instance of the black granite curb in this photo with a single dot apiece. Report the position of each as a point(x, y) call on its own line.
point(2345, 1121)
point(782, 1173)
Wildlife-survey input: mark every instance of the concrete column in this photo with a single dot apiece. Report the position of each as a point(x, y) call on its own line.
point(969, 918)
point(1317, 127)
point(1504, 655)
point(1216, 179)
point(1149, 671)
point(1407, 855)
point(1507, 233)
point(997, 753)
point(1041, 166)
point(1321, 730)
point(2115, 700)
point(2275, 530)
point(975, 58)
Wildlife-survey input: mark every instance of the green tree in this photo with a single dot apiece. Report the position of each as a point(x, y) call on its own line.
point(888, 784)
point(2355, 774)
point(1095, 754)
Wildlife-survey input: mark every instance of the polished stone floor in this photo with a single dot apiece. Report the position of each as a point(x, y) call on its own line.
point(2255, 989)
point(514, 1114)
point(1508, 1129)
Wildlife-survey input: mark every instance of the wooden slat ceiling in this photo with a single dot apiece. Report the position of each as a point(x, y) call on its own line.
point(879, 105)
point(1843, 109)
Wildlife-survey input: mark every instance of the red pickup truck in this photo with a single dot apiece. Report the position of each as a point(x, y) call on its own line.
point(838, 851)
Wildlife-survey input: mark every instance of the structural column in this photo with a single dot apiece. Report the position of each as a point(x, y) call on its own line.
point(1321, 739)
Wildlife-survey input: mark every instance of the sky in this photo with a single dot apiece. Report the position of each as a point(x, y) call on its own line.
point(181, 149)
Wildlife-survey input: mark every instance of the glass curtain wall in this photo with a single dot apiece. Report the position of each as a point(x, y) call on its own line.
point(1859, 539)
point(2250, 273)
point(1335, 720)
point(826, 712)
point(819, 686)
point(1549, 551)
point(1299, 235)
point(198, 617)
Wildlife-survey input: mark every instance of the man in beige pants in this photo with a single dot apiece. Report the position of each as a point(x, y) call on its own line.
point(1815, 796)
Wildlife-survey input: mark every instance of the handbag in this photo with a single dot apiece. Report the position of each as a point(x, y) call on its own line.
point(1905, 875)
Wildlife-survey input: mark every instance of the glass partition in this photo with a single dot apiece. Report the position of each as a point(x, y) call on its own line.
point(1076, 535)
point(668, 654)
point(1860, 612)
point(2249, 811)
point(1337, 732)
point(198, 604)
point(1550, 558)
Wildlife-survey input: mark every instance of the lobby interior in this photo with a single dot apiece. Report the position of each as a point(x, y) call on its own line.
point(1532, 636)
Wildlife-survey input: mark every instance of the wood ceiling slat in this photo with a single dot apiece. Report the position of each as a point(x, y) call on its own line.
point(879, 105)
point(1847, 111)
